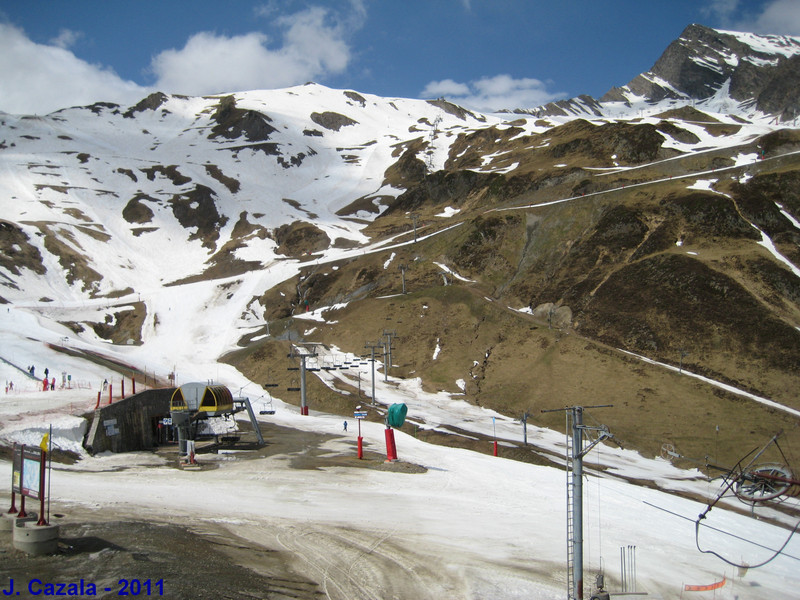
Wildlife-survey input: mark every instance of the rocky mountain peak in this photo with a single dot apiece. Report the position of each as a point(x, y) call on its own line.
point(755, 71)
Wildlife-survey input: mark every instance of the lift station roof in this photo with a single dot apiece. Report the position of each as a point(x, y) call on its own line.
point(202, 397)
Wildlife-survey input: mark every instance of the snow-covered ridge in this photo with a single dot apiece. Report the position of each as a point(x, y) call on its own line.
point(784, 45)
point(181, 173)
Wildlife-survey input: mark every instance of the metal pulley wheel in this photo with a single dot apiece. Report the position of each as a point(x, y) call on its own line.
point(764, 482)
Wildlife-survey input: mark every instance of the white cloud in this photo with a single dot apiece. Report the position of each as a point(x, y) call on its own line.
point(445, 87)
point(66, 38)
point(266, 10)
point(211, 63)
point(493, 93)
point(779, 17)
point(312, 46)
point(38, 79)
point(722, 10)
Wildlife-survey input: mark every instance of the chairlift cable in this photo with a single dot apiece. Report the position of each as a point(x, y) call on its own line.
point(727, 487)
point(777, 552)
point(722, 531)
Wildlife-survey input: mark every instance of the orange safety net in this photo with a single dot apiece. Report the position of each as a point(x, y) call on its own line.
point(705, 588)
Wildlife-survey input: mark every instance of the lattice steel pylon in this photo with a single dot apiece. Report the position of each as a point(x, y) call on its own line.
point(570, 521)
point(431, 140)
point(574, 468)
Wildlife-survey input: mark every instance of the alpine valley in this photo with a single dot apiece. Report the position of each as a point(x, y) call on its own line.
point(639, 250)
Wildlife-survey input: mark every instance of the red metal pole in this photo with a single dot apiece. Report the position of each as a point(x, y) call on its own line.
point(495, 447)
point(13, 509)
point(360, 445)
point(109, 392)
point(96, 406)
point(391, 448)
point(22, 514)
point(123, 388)
point(133, 385)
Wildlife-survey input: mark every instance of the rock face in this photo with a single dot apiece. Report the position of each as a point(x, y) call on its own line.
point(702, 63)
point(753, 72)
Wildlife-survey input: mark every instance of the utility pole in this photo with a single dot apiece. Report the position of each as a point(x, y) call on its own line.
point(684, 354)
point(575, 453)
point(524, 421)
point(403, 269)
point(431, 140)
point(415, 218)
point(387, 351)
point(373, 346)
point(302, 355)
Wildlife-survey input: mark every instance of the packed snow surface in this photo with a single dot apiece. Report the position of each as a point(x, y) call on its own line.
point(496, 526)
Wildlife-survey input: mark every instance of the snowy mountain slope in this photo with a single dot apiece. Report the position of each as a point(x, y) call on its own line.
point(757, 72)
point(187, 235)
point(187, 171)
point(752, 76)
point(206, 219)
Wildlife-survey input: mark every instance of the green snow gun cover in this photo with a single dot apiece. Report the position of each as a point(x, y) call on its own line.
point(396, 415)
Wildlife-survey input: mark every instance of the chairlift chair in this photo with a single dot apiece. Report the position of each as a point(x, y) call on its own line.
point(270, 410)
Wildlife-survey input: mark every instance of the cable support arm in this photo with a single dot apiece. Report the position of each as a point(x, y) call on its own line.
point(604, 435)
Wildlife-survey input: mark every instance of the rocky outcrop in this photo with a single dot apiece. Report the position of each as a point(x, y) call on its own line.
point(762, 71)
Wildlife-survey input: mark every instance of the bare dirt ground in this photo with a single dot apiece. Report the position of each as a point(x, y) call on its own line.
point(178, 561)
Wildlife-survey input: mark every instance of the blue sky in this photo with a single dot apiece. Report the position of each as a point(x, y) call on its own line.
point(484, 54)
